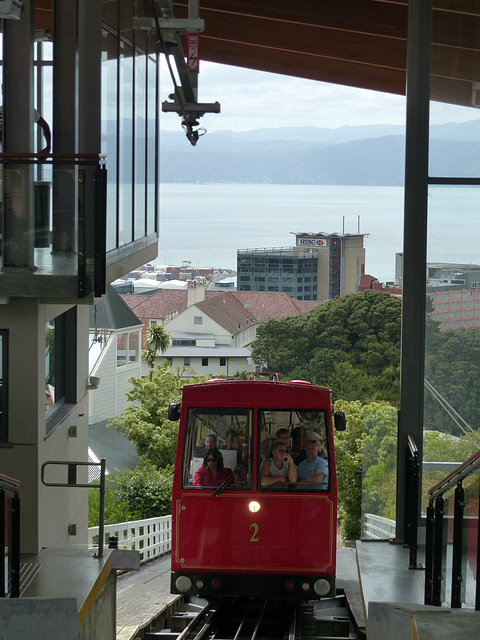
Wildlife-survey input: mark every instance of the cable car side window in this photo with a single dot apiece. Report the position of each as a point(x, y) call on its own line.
point(293, 450)
point(218, 448)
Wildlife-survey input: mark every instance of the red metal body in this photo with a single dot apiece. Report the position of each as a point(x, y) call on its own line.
point(284, 546)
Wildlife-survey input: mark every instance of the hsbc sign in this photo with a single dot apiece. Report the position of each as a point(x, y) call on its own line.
point(311, 242)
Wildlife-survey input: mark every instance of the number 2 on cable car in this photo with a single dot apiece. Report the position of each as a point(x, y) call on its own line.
point(254, 529)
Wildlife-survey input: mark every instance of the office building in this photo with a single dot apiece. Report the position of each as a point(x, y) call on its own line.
point(319, 267)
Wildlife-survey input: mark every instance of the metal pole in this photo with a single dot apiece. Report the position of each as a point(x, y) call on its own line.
point(15, 591)
point(415, 241)
point(437, 553)
point(429, 543)
point(3, 524)
point(457, 577)
point(414, 469)
point(477, 582)
point(101, 522)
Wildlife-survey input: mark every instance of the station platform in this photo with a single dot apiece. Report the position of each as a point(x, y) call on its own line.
point(393, 595)
point(66, 594)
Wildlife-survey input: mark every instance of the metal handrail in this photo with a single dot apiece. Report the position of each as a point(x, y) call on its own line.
point(72, 482)
point(456, 476)
point(12, 568)
point(9, 483)
point(436, 537)
point(412, 446)
point(412, 490)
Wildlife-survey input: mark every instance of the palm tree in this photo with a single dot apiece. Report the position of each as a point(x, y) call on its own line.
point(158, 339)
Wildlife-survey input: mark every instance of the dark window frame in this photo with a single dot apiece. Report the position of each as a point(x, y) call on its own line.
point(65, 369)
point(4, 337)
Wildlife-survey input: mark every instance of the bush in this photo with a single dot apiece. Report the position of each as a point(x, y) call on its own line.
point(143, 493)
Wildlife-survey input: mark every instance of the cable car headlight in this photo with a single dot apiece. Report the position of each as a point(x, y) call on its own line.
point(321, 587)
point(183, 584)
point(254, 506)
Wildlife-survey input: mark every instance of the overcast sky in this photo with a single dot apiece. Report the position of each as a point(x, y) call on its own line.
point(256, 100)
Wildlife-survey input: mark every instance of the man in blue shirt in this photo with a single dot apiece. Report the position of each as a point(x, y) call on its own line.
point(313, 470)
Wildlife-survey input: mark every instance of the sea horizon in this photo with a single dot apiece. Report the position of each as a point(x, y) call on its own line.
point(207, 223)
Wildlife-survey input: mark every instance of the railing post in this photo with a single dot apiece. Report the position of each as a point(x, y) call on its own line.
point(101, 522)
point(457, 577)
point(437, 553)
point(15, 546)
point(3, 524)
point(429, 541)
point(412, 473)
point(477, 581)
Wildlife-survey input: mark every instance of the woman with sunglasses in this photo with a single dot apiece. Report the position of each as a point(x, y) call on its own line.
point(212, 473)
point(279, 468)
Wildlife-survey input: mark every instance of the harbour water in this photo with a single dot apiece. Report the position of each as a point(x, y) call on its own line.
point(207, 223)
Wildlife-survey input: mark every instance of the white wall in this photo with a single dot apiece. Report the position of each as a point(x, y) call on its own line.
point(46, 512)
point(185, 322)
point(109, 399)
point(234, 365)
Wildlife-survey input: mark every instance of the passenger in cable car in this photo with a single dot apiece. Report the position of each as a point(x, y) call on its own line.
point(266, 445)
point(279, 468)
point(210, 443)
point(229, 436)
point(236, 445)
point(314, 469)
point(212, 473)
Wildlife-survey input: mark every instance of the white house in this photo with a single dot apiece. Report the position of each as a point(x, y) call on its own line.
point(114, 355)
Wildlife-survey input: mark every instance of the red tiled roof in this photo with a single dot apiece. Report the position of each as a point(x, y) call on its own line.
point(227, 311)
point(233, 310)
point(265, 305)
point(160, 304)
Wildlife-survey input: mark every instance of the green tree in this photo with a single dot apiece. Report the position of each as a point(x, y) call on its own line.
point(452, 367)
point(351, 343)
point(365, 455)
point(145, 422)
point(158, 339)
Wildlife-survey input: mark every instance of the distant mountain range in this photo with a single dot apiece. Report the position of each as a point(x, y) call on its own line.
point(361, 155)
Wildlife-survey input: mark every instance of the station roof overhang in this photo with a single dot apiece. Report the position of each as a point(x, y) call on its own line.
point(356, 43)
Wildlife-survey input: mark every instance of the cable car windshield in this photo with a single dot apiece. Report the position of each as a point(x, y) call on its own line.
point(217, 447)
point(294, 450)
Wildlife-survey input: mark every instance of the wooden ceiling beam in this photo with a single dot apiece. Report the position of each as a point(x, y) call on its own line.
point(313, 41)
point(302, 66)
point(362, 16)
point(358, 43)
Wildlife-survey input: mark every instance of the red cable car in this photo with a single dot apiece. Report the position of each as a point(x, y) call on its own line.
point(254, 505)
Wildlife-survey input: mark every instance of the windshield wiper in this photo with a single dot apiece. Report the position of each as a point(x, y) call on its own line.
point(220, 489)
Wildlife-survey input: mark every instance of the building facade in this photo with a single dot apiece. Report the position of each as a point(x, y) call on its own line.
point(75, 217)
point(455, 295)
point(320, 267)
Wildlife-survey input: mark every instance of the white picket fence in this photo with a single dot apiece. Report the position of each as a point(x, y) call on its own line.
point(152, 537)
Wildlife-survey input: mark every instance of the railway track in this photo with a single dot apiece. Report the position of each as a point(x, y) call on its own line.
point(255, 619)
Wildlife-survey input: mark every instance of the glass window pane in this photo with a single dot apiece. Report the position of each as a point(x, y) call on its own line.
point(299, 436)
point(224, 435)
point(151, 142)
point(140, 142)
point(125, 151)
point(455, 91)
point(121, 349)
point(109, 131)
point(3, 385)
